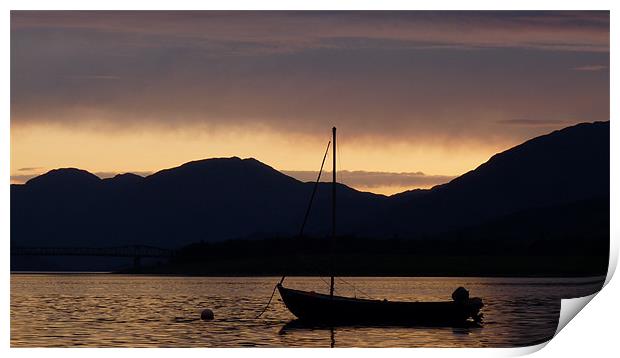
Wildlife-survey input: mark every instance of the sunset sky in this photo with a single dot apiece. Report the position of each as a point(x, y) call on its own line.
point(418, 97)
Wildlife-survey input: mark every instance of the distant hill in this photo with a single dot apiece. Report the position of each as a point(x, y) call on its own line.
point(211, 199)
point(563, 240)
point(226, 198)
point(565, 166)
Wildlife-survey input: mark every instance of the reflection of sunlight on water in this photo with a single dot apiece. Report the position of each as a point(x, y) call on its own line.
point(140, 311)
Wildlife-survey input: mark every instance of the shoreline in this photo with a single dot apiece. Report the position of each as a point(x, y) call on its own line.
point(596, 278)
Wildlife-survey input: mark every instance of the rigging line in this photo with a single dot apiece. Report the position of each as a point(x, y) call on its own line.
point(339, 164)
point(301, 230)
point(343, 179)
point(355, 287)
point(316, 184)
point(324, 281)
point(343, 175)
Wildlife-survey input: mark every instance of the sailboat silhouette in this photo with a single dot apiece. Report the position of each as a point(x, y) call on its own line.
point(317, 308)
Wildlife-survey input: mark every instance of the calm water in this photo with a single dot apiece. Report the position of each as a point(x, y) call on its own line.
point(99, 310)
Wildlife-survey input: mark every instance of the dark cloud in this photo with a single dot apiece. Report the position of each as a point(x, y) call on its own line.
point(591, 68)
point(535, 122)
point(404, 75)
point(21, 179)
point(248, 32)
point(96, 77)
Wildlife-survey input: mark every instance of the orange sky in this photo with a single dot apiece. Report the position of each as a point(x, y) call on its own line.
point(38, 148)
point(418, 96)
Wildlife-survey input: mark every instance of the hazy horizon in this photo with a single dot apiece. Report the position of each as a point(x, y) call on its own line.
point(386, 183)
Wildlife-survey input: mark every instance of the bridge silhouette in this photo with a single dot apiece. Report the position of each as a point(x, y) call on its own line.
point(137, 252)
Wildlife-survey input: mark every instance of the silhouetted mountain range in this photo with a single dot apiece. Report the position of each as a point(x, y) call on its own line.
point(212, 199)
point(565, 166)
point(225, 198)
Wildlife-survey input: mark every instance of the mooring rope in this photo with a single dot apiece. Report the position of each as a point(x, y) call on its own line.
point(269, 302)
point(274, 292)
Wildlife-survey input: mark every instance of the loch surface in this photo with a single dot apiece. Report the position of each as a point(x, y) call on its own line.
point(105, 310)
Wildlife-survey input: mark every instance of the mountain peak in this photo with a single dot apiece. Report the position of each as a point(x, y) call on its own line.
point(579, 144)
point(64, 177)
point(221, 170)
point(125, 178)
point(215, 164)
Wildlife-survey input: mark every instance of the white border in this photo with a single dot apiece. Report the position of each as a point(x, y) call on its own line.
point(594, 328)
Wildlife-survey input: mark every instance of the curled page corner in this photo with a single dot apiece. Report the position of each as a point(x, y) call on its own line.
point(569, 309)
point(522, 351)
point(613, 261)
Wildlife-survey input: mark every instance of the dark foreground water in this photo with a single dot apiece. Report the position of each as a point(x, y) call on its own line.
point(100, 310)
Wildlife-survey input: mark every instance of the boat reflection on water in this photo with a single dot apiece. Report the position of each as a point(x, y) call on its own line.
point(298, 324)
point(301, 325)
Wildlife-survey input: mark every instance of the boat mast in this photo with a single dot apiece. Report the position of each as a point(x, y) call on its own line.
point(331, 284)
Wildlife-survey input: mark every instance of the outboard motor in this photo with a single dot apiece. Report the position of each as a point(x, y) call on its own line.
point(460, 295)
point(471, 306)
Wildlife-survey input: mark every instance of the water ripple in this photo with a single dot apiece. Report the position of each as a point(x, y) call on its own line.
point(143, 311)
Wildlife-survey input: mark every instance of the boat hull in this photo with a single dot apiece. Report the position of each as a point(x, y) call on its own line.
point(318, 308)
